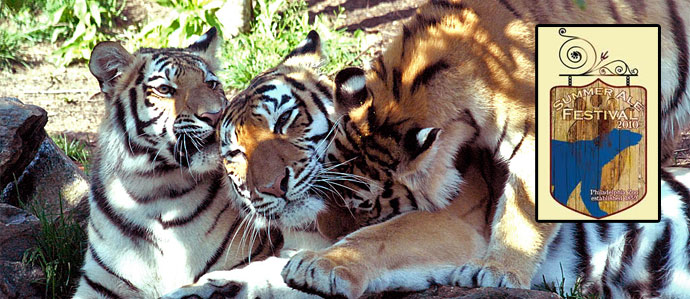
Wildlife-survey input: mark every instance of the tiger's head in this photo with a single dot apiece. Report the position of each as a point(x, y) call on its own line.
point(273, 139)
point(389, 156)
point(163, 104)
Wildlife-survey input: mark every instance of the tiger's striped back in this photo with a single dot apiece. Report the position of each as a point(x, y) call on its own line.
point(160, 213)
point(462, 73)
point(628, 260)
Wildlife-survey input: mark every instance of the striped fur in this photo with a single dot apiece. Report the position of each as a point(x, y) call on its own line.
point(628, 260)
point(160, 216)
point(273, 140)
point(460, 74)
point(466, 68)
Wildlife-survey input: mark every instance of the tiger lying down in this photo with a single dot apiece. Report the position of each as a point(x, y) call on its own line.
point(431, 150)
point(159, 210)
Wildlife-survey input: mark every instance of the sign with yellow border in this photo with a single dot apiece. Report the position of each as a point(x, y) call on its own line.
point(597, 103)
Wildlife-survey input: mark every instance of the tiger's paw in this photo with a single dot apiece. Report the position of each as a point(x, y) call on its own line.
point(218, 284)
point(325, 274)
point(472, 275)
point(257, 280)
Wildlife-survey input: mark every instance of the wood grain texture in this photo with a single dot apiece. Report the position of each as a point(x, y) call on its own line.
point(627, 170)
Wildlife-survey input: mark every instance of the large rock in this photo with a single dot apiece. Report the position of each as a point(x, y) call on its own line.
point(21, 133)
point(467, 293)
point(17, 232)
point(20, 281)
point(51, 176)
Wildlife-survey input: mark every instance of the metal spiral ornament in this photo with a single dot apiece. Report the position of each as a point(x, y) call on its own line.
point(579, 55)
point(576, 53)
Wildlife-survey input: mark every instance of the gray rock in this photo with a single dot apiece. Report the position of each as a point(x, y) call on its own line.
point(51, 176)
point(17, 232)
point(235, 16)
point(21, 133)
point(18, 280)
point(467, 293)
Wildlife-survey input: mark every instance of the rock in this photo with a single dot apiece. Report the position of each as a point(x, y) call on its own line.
point(51, 176)
point(235, 16)
point(467, 293)
point(21, 133)
point(18, 280)
point(17, 232)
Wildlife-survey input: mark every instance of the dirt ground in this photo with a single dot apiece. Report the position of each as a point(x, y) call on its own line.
point(71, 96)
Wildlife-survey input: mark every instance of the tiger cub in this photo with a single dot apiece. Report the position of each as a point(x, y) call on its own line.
point(160, 212)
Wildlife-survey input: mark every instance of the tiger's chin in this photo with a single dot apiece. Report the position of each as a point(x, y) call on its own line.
point(200, 159)
point(291, 215)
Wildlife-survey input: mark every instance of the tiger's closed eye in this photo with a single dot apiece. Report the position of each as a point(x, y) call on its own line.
point(282, 120)
point(213, 84)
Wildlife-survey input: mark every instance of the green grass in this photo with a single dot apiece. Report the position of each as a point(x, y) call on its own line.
point(576, 292)
point(75, 150)
point(10, 44)
point(60, 249)
point(277, 28)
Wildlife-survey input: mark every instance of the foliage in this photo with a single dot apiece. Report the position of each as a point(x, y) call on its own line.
point(76, 25)
point(278, 26)
point(575, 292)
point(60, 249)
point(580, 3)
point(83, 25)
point(10, 43)
point(189, 18)
point(75, 150)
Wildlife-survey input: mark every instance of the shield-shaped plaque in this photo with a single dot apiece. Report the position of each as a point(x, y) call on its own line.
point(598, 147)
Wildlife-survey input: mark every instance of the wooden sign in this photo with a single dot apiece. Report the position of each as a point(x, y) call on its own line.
point(597, 97)
point(598, 147)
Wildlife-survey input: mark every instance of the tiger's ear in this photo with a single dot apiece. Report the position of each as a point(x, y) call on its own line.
point(207, 47)
point(108, 61)
point(307, 53)
point(420, 141)
point(350, 89)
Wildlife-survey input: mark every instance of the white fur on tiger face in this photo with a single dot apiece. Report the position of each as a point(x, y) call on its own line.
point(274, 139)
point(160, 213)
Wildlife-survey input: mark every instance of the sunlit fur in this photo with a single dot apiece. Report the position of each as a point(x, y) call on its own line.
point(160, 216)
point(467, 68)
point(273, 135)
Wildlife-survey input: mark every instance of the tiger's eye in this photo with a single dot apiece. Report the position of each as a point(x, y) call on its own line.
point(165, 90)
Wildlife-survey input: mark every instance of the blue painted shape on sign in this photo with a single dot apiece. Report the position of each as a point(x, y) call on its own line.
point(583, 161)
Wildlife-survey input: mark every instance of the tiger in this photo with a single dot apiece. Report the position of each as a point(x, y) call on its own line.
point(160, 212)
point(460, 74)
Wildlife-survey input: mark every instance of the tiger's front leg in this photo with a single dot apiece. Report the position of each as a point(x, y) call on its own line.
point(257, 280)
point(517, 246)
point(409, 252)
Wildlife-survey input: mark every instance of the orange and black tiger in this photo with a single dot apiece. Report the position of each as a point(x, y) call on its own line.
point(456, 84)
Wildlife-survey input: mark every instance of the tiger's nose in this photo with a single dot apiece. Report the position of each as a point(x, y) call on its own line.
point(211, 117)
point(279, 186)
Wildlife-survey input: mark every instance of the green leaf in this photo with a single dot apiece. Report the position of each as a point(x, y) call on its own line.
point(90, 34)
point(213, 5)
point(95, 12)
point(580, 3)
point(57, 15)
point(80, 9)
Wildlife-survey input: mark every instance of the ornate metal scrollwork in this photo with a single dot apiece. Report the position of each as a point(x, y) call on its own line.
point(579, 55)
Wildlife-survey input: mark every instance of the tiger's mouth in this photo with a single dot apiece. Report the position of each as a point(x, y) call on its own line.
point(188, 145)
point(286, 213)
